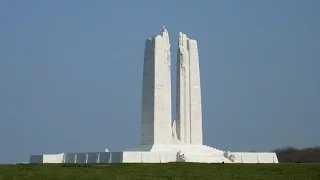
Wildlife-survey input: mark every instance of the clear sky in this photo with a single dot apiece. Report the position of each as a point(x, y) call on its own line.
point(71, 72)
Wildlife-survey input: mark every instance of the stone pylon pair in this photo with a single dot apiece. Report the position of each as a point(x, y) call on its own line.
point(156, 123)
point(161, 140)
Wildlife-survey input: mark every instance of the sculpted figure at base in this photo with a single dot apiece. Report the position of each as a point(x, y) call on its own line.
point(181, 157)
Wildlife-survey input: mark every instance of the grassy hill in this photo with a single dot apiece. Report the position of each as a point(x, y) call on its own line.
point(170, 171)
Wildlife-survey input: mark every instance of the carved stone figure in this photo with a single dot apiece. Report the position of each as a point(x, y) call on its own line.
point(229, 155)
point(168, 57)
point(174, 131)
point(181, 157)
point(182, 59)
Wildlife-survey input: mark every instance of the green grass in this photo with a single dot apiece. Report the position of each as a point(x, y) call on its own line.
point(171, 171)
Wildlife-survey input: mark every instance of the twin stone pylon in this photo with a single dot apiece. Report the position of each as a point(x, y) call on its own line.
point(188, 109)
point(161, 140)
point(156, 123)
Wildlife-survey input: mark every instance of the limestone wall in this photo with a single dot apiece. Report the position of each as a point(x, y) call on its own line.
point(152, 157)
point(47, 158)
point(253, 157)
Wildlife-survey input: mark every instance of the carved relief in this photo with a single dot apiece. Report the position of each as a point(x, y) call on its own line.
point(174, 131)
point(168, 57)
point(182, 60)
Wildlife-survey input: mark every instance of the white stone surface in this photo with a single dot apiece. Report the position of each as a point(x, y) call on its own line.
point(156, 91)
point(255, 157)
point(51, 158)
point(188, 111)
point(267, 158)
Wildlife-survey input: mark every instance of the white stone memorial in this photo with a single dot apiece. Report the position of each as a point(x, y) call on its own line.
point(161, 140)
point(189, 114)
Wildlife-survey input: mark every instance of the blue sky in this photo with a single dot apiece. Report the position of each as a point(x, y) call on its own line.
point(71, 72)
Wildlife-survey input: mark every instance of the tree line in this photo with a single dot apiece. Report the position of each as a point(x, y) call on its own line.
point(295, 155)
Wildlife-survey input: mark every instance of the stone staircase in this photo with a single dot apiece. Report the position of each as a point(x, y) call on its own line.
point(196, 153)
point(191, 153)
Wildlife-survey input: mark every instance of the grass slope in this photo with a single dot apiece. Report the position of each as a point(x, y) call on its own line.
point(170, 171)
